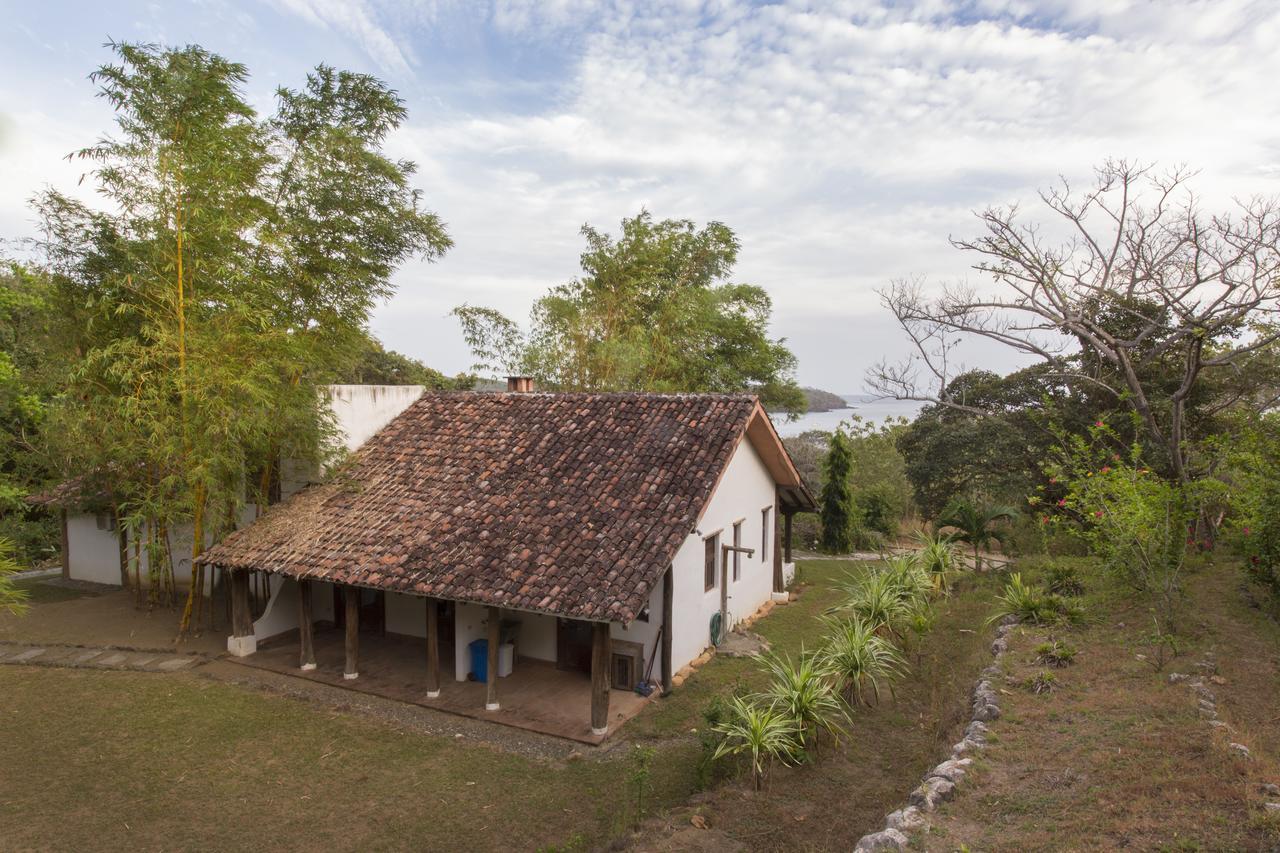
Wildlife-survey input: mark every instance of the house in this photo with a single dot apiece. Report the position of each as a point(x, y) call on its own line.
point(568, 542)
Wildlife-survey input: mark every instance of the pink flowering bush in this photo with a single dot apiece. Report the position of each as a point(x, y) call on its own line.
point(1133, 520)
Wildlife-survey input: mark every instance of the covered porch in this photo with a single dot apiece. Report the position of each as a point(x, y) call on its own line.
point(567, 678)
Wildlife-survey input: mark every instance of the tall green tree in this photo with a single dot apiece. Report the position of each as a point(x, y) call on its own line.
point(978, 524)
point(29, 359)
point(235, 265)
point(654, 310)
point(835, 504)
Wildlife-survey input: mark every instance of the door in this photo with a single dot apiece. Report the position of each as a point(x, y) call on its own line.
point(573, 645)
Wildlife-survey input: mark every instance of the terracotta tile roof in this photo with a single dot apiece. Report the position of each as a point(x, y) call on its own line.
point(572, 504)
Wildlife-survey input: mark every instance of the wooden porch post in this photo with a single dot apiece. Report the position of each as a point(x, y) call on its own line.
point(668, 594)
point(601, 652)
point(491, 675)
point(786, 535)
point(241, 642)
point(433, 648)
point(779, 582)
point(307, 650)
point(352, 671)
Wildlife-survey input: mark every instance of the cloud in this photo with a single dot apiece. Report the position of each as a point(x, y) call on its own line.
point(357, 20)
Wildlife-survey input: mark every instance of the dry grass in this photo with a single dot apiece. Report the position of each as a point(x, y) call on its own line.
point(1117, 757)
point(115, 760)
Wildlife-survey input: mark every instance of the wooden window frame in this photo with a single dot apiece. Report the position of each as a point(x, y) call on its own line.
point(766, 515)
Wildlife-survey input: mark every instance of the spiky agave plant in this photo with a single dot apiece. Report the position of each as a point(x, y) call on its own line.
point(859, 658)
point(12, 599)
point(876, 599)
point(1026, 602)
point(937, 556)
point(909, 577)
point(804, 689)
point(762, 731)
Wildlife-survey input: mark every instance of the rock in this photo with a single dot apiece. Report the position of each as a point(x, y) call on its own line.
point(905, 819)
point(952, 770)
point(887, 839)
point(1270, 789)
point(932, 792)
point(1178, 677)
point(1271, 808)
point(987, 713)
point(977, 729)
point(1218, 724)
point(1003, 631)
point(992, 671)
point(1010, 619)
point(999, 647)
point(1240, 749)
point(1217, 679)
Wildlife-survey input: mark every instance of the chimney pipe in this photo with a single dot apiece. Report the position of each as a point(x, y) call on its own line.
point(520, 384)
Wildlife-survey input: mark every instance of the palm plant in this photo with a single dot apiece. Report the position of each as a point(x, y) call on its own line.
point(858, 657)
point(803, 690)
point(937, 556)
point(975, 524)
point(764, 732)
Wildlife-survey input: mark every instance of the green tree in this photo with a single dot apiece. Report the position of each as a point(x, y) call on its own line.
point(235, 268)
point(29, 359)
point(836, 507)
point(977, 524)
point(652, 311)
point(374, 365)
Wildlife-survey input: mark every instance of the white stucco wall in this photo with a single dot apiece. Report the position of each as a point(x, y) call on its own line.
point(281, 613)
point(362, 410)
point(92, 554)
point(745, 489)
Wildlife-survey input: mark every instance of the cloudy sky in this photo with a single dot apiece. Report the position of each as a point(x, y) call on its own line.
point(844, 142)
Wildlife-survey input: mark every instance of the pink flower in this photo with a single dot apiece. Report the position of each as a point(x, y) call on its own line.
point(1098, 514)
point(1044, 519)
point(1097, 423)
point(1246, 531)
point(1062, 501)
point(1106, 469)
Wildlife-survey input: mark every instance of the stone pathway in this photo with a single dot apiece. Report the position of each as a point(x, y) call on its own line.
point(97, 657)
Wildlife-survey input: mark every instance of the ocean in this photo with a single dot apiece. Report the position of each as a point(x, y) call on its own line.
point(873, 410)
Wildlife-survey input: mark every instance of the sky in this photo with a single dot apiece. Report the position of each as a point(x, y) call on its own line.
point(844, 142)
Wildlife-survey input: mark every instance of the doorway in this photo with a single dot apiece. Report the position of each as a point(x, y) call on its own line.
point(573, 645)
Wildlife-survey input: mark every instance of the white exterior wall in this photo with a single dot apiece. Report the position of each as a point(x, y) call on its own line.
point(92, 554)
point(281, 613)
point(362, 410)
point(745, 489)
point(646, 633)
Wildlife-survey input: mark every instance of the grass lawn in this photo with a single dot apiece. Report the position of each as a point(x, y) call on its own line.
point(1117, 757)
point(112, 760)
point(48, 590)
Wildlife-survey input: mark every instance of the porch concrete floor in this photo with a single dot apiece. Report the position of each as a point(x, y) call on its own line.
point(536, 696)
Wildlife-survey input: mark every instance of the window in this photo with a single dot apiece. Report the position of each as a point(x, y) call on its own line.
point(737, 555)
point(712, 545)
point(764, 534)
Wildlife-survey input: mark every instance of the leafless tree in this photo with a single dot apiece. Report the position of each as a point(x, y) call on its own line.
point(1139, 276)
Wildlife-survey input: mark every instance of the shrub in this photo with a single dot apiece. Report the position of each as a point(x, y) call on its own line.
point(1063, 579)
point(12, 599)
point(1018, 599)
point(1041, 682)
point(876, 599)
point(1055, 653)
point(859, 658)
point(803, 691)
point(937, 558)
point(762, 732)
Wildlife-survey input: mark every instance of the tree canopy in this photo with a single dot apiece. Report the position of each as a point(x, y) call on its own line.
point(654, 310)
point(234, 264)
